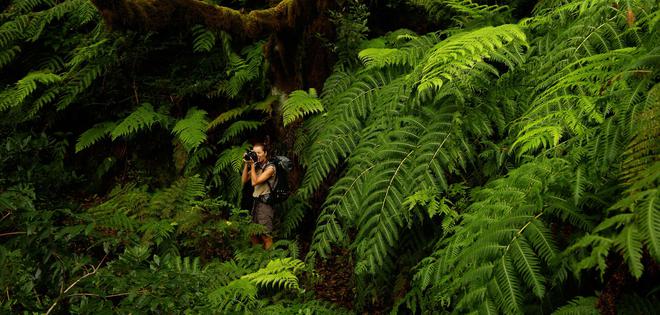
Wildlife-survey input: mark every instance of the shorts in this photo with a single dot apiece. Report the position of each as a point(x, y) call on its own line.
point(263, 214)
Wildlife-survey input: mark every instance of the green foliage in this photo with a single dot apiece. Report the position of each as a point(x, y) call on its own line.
point(94, 134)
point(463, 12)
point(142, 118)
point(556, 104)
point(480, 168)
point(278, 273)
point(579, 305)
point(192, 129)
point(25, 87)
point(300, 104)
point(243, 70)
point(203, 40)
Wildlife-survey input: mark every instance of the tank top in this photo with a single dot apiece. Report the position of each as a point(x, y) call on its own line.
point(263, 189)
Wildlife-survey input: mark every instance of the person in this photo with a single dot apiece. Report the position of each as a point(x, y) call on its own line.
point(261, 175)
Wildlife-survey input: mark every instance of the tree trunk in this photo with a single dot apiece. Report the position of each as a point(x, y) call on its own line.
point(296, 55)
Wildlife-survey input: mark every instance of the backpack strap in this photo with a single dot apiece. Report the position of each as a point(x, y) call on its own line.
point(270, 162)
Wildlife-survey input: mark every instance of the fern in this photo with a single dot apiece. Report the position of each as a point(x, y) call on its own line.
point(93, 135)
point(278, 273)
point(450, 58)
point(238, 128)
point(7, 55)
point(465, 9)
point(142, 118)
point(300, 104)
point(158, 231)
point(25, 87)
point(579, 306)
point(238, 296)
point(244, 70)
point(263, 106)
point(231, 159)
point(293, 213)
point(192, 129)
point(203, 40)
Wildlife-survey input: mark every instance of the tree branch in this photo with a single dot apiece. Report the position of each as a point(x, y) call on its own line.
point(156, 15)
point(87, 274)
point(12, 233)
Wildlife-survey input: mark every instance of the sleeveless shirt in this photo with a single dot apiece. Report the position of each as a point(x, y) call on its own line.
point(262, 189)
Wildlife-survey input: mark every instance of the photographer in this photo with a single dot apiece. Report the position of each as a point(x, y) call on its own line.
point(261, 174)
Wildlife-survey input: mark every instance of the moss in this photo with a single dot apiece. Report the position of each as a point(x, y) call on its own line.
point(155, 15)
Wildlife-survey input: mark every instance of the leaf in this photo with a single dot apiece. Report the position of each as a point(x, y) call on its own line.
point(300, 104)
point(94, 134)
point(192, 129)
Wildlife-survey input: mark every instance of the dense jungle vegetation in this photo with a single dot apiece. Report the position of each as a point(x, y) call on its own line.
point(451, 156)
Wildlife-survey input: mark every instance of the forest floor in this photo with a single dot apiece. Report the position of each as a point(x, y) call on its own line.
point(336, 279)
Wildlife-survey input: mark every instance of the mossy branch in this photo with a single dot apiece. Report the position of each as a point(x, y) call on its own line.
point(158, 15)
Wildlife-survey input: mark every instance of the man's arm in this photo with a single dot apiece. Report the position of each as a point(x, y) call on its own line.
point(267, 173)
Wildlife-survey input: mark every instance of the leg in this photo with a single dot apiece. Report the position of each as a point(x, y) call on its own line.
point(268, 241)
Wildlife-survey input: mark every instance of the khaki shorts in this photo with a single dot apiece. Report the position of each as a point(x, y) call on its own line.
point(263, 214)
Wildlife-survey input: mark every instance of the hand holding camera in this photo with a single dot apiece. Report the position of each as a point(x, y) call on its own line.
point(250, 156)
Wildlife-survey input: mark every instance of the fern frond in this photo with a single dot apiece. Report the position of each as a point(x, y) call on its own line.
point(507, 282)
point(94, 134)
point(141, 118)
point(8, 54)
point(157, 230)
point(451, 57)
point(529, 266)
point(203, 39)
point(300, 104)
point(238, 296)
point(293, 213)
point(238, 128)
point(465, 9)
point(328, 232)
point(243, 70)
point(600, 248)
point(25, 87)
point(579, 306)
point(192, 129)
point(649, 221)
point(278, 273)
point(178, 197)
point(630, 244)
point(409, 55)
point(231, 158)
point(263, 106)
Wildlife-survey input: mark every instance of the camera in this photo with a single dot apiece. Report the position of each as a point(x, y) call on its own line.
point(250, 155)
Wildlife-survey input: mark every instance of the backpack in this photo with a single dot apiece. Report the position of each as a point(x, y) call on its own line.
point(283, 166)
